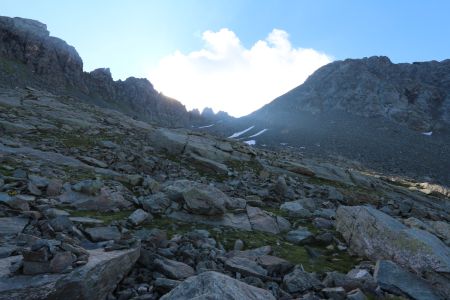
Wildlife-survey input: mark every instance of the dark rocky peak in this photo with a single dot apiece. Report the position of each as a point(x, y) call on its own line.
point(28, 42)
point(208, 112)
point(103, 74)
point(416, 95)
point(26, 25)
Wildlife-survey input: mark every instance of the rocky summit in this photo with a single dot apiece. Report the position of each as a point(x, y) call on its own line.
point(98, 204)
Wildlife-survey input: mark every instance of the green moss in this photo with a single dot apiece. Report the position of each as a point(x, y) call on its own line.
point(106, 217)
point(328, 260)
point(78, 174)
point(242, 166)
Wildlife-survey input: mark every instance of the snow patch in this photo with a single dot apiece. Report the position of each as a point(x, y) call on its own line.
point(259, 133)
point(237, 134)
point(250, 142)
point(429, 133)
point(206, 126)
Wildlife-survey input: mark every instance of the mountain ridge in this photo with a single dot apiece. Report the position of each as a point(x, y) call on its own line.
point(416, 95)
point(29, 56)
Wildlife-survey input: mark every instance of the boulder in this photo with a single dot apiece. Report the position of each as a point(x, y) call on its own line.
point(295, 209)
point(103, 233)
point(139, 216)
point(216, 286)
point(261, 220)
point(156, 203)
point(106, 199)
point(299, 281)
point(392, 278)
point(95, 280)
point(376, 235)
point(245, 266)
point(198, 198)
point(172, 268)
point(237, 220)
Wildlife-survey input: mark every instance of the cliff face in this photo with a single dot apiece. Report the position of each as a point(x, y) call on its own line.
point(416, 95)
point(29, 56)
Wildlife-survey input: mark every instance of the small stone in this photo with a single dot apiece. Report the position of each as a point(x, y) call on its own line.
point(33, 189)
point(139, 216)
point(61, 262)
point(54, 187)
point(238, 245)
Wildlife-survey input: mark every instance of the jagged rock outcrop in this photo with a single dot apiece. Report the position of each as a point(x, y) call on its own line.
point(29, 56)
point(28, 51)
point(416, 95)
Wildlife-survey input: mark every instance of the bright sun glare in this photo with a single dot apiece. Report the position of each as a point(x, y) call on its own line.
point(226, 76)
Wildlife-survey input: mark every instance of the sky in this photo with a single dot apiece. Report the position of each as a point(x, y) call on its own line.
point(238, 55)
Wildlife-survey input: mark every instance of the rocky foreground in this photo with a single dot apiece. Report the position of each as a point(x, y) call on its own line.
point(97, 205)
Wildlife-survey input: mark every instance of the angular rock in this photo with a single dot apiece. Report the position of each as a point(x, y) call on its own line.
point(173, 269)
point(88, 187)
point(261, 220)
point(376, 235)
point(274, 265)
point(156, 203)
point(95, 280)
point(394, 279)
point(12, 225)
point(106, 200)
point(299, 281)
point(216, 286)
point(245, 266)
point(238, 221)
point(139, 216)
point(104, 233)
point(199, 198)
point(295, 209)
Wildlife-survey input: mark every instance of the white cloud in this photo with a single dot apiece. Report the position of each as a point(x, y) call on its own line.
point(227, 76)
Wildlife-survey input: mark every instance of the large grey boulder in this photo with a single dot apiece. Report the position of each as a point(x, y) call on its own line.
point(95, 280)
point(198, 198)
point(394, 279)
point(216, 286)
point(376, 235)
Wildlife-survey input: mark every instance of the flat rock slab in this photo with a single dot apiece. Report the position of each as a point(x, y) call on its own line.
point(12, 225)
point(216, 286)
point(104, 233)
point(376, 235)
point(245, 266)
point(92, 281)
point(238, 220)
point(394, 279)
